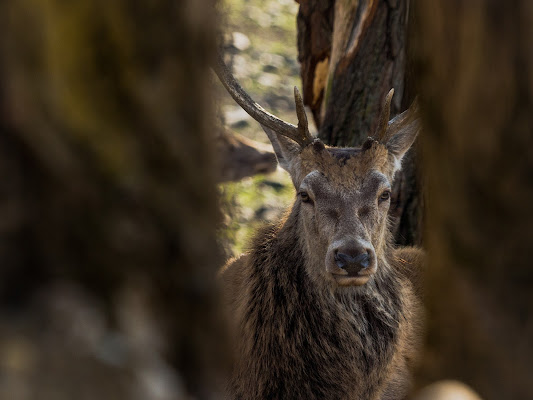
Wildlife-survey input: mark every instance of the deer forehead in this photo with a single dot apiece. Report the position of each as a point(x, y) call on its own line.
point(363, 187)
point(346, 168)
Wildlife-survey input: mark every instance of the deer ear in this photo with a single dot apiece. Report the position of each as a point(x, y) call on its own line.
point(288, 146)
point(287, 140)
point(402, 131)
point(286, 150)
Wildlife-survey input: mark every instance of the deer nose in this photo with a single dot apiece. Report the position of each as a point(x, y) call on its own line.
point(353, 260)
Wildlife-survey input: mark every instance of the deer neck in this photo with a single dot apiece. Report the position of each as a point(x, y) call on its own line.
point(289, 310)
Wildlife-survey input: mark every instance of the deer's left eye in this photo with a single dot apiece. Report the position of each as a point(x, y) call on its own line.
point(305, 197)
point(384, 196)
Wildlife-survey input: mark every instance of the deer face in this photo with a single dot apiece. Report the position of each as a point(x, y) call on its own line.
point(343, 197)
point(344, 226)
point(343, 194)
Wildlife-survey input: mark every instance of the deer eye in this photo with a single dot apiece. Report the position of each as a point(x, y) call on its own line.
point(305, 197)
point(384, 196)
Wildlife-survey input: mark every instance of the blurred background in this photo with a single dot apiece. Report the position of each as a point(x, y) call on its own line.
point(128, 176)
point(259, 39)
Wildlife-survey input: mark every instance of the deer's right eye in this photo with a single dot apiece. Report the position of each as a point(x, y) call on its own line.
point(305, 197)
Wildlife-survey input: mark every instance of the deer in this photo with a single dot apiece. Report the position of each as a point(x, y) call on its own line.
point(323, 306)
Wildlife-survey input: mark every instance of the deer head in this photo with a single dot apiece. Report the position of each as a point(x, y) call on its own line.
point(343, 194)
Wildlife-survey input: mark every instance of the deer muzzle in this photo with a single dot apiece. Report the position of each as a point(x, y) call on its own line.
point(351, 262)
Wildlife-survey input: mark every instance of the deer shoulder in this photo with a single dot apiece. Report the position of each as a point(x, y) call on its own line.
point(410, 262)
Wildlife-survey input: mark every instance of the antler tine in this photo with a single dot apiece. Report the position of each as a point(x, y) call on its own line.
point(384, 118)
point(405, 118)
point(255, 110)
point(303, 126)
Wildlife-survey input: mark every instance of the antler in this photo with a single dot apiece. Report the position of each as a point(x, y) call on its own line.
point(300, 134)
point(405, 118)
point(382, 135)
point(387, 129)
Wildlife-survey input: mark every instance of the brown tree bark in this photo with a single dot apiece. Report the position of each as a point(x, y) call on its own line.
point(108, 204)
point(474, 64)
point(352, 53)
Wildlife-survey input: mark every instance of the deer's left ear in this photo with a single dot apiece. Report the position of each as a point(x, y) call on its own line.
point(402, 132)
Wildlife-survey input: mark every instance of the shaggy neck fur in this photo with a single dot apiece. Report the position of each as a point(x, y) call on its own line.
point(306, 340)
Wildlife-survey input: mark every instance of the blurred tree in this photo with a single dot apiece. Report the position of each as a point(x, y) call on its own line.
point(352, 53)
point(108, 203)
point(474, 66)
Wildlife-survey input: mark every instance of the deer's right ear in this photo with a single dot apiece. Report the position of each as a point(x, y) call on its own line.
point(286, 150)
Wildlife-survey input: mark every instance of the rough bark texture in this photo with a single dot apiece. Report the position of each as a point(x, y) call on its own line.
point(352, 53)
point(108, 204)
point(315, 30)
point(475, 69)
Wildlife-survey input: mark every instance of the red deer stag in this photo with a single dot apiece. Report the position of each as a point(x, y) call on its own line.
point(323, 306)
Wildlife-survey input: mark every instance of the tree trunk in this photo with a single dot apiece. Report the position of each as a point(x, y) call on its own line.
point(475, 73)
point(108, 203)
point(352, 53)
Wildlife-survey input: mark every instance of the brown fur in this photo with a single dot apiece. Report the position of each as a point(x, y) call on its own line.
point(303, 331)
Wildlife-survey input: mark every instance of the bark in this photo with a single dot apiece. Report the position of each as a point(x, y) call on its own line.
point(475, 73)
point(108, 204)
point(352, 53)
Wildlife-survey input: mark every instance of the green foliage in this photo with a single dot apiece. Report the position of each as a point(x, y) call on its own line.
point(268, 69)
point(249, 203)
